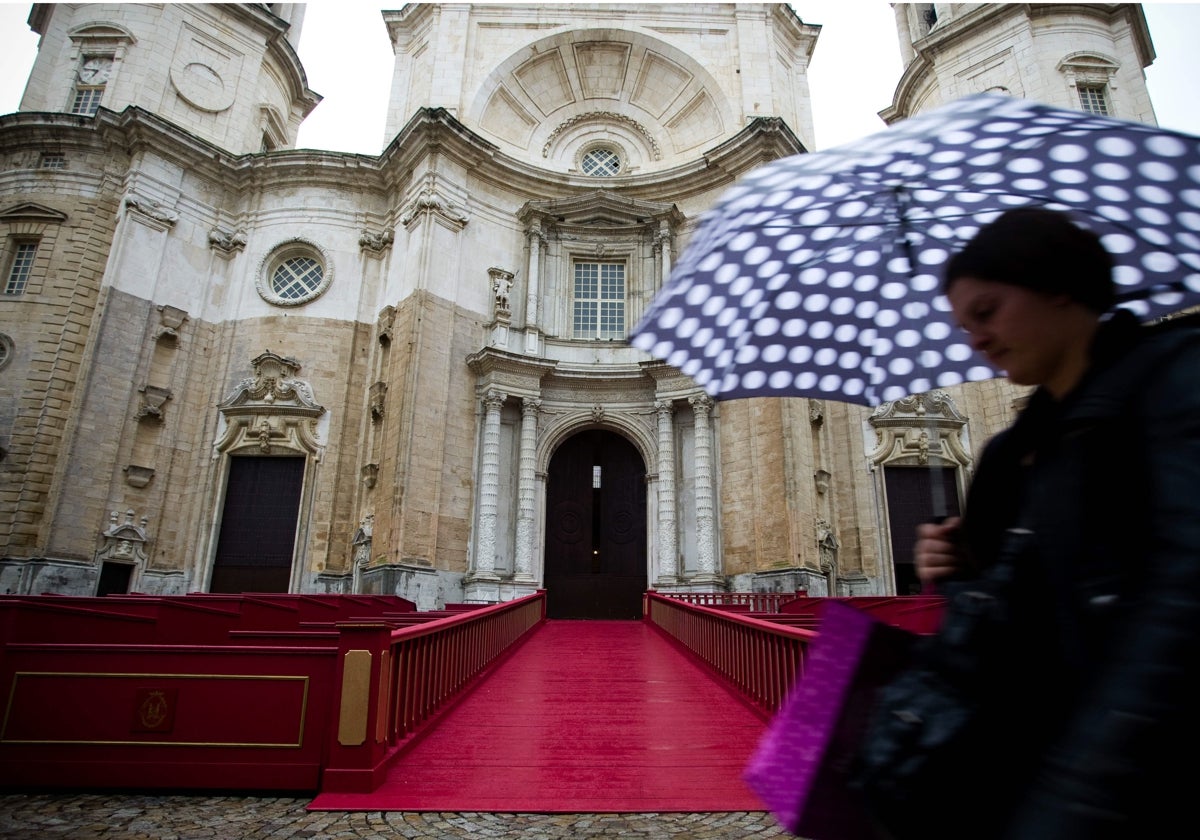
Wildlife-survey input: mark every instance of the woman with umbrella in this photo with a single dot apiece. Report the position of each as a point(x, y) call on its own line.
point(1089, 726)
point(842, 274)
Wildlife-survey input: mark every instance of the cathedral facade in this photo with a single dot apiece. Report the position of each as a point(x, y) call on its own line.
point(230, 365)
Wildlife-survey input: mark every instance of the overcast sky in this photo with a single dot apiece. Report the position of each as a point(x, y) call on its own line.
point(346, 53)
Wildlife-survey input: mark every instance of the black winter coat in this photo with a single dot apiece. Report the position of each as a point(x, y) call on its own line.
point(1101, 718)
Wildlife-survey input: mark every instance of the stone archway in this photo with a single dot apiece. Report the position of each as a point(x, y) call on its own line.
point(269, 435)
point(595, 545)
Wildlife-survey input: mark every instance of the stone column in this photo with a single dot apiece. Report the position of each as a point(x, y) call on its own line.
point(668, 559)
point(526, 490)
point(533, 293)
point(489, 487)
point(705, 524)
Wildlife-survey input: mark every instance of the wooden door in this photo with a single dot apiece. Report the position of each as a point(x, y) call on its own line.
point(915, 495)
point(595, 563)
point(258, 525)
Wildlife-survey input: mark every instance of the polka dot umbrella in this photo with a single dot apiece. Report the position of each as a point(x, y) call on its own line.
point(818, 274)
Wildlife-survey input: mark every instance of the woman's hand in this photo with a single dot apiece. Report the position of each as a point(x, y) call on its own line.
point(938, 551)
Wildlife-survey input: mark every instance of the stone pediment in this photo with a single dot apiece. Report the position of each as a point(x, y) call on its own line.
point(102, 30)
point(270, 413)
point(919, 430)
point(931, 408)
point(273, 388)
point(30, 212)
point(600, 207)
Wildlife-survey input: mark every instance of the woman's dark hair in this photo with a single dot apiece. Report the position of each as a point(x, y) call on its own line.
point(1042, 250)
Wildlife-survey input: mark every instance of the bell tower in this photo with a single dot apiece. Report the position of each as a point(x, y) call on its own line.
point(1085, 56)
point(227, 73)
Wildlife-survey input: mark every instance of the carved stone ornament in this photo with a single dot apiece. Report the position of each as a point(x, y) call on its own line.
point(603, 117)
point(272, 412)
point(170, 321)
point(918, 430)
point(139, 477)
point(376, 241)
point(385, 324)
point(827, 548)
point(821, 479)
point(227, 242)
point(123, 542)
point(362, 541)
point(153, 399)
point(377, 396)
point(370, 475)
point(816, 412)
point(502, 282)
point(151, 209)
point(431, 203)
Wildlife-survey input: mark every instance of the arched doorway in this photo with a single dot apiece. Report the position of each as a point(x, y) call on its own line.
point(595, 563)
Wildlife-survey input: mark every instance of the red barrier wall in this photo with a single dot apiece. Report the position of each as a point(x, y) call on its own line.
point(191, 692)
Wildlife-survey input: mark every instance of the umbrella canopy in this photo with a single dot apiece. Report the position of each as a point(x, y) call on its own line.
point(818, 275)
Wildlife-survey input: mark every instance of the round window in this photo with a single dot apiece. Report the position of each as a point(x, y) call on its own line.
point(294, 273)
point(601, 162)
point(296, 278)
point(6, 350)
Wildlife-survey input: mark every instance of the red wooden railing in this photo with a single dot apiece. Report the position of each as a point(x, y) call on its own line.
point(768, 602)
point(327, 690)
point(759, 658)
point(915, 613)
point(232, 691)
point(763, 655)
point(395, 681)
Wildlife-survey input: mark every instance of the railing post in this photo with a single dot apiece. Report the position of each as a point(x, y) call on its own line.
point(358, 742)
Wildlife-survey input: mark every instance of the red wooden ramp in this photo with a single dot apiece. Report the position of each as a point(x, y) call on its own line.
point(585, 717)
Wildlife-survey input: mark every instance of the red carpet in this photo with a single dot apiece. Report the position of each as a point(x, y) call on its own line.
point(586, 717)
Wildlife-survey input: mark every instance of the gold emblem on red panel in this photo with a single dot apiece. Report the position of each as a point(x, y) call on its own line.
point(154, 710)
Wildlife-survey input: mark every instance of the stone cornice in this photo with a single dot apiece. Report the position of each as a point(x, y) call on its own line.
point(435, 130)
point(431, 132)
point(763, 140)
point(280, 46)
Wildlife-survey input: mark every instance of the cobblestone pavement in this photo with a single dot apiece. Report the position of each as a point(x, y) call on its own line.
point(143, 817)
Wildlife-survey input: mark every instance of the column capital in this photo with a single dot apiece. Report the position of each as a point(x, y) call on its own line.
point(701, 403)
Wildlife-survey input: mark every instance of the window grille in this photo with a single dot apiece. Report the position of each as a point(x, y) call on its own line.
point(297, 278)
point(52, 160)
point(20, 268)
point(1093, 99)
point(599, 301)
point(601, 163)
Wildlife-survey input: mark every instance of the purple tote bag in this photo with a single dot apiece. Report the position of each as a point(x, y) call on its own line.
point(800, 769)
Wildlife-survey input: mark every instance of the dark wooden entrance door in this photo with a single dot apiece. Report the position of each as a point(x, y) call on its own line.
point(258, 525)
point(913, 493)
point(595, 529)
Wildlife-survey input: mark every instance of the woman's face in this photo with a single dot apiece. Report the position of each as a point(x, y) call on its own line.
point(1035, 338)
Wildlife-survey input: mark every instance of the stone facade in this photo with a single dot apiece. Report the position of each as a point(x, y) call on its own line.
point(414, 328)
